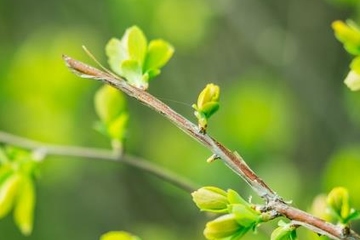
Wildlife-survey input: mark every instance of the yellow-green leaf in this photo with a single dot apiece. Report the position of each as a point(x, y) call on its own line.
point(109, 103)
point(5, 171)
point(132, 72)
point(8, 192)
point(339, 202)
point(136, 44)
point(222, 227)
point(211, 199)
point(284, 232)
point(117, 128)
point(25, 204)
point(349, 34)
point(116, 53)
point(159, 53)
point(118, 235)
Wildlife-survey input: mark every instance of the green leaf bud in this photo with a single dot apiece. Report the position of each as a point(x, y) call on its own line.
point(221, 227)
point(234, 197)
point(319, 208)
point(211, 199)
point(339, 203)
point(349, 34)
point(118, 235)
point(6, 171)
point(210, 94)
point(352, 80)
point(117, 128)
point(109, 103)
point(207, 104)
point(284, 232)
point(25, 204)
point(245, 215)
point(3, 158)
point(8, 192)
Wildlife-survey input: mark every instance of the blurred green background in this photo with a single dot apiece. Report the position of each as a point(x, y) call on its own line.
point(284, 107)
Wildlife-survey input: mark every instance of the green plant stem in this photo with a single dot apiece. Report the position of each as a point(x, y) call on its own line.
point(98, 154)
point(231, 159)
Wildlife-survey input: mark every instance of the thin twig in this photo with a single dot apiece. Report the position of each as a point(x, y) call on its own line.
point(233, 160)
point(99, 154)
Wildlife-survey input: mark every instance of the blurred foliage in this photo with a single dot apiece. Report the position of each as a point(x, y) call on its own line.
point(283, 107)
point(343, 161)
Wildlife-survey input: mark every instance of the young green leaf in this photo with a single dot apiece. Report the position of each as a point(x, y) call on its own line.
point(117, 128)
point(25, 204)
point(245, 215)
point(352, 81)
point(8, 192)
point(116, 53)
point(136, 43)
point(349, 34)
point(109, 103)
point(354, 215)
point(338, 201)
point(118, 235)
point(285, 231)
point(235, 198)
point(3, 158)
point(159, 53)
point(133, 73)
point(222, 227)
point(5, 171)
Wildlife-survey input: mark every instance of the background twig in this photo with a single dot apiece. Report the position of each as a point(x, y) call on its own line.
point(99, 154)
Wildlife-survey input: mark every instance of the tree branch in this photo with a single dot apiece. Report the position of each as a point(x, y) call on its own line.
point(233, 160)
point(99, 154)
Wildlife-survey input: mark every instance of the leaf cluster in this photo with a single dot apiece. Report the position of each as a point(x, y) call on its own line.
point(18, 169)
point(136, 60)
point(348, 33)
